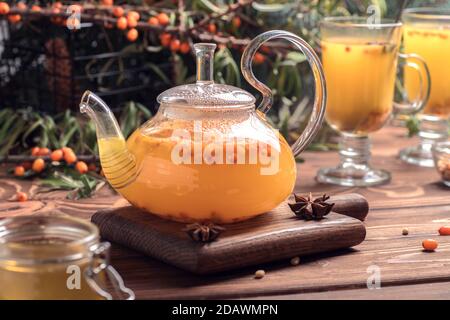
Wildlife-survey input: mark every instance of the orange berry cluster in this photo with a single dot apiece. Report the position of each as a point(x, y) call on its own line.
point(130, 21)
point(64, 154)
point(174, 44)
point(125, 20)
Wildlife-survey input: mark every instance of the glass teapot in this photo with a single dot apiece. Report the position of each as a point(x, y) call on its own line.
point(208, 155)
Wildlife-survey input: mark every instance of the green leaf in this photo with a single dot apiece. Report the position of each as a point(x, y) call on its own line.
point(296, 57)
point(80, 185)
point(412, 124)
point(159, 73)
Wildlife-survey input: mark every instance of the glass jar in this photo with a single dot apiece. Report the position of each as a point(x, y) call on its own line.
point(55, 257)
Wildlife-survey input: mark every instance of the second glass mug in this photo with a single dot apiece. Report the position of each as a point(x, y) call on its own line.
point(427, 32)
point(360, 63)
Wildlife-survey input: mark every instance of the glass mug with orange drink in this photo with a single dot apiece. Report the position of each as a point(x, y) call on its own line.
point(427, 33)
point(360, 64)
point(208, 154)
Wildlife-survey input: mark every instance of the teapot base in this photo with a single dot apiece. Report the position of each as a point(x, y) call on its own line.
point(186, 219)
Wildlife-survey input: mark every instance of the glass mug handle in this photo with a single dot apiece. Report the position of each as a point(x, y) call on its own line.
point(316, 119)
point(421, 67)
point(100, 263)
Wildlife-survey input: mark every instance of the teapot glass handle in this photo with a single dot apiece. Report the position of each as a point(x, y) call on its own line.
point(318, 111)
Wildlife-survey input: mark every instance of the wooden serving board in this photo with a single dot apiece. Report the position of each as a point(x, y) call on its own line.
point(273, 236)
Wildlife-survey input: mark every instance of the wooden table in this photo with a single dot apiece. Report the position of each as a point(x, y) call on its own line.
point(414, 199)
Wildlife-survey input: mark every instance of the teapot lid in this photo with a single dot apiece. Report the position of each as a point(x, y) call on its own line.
point(206, 93)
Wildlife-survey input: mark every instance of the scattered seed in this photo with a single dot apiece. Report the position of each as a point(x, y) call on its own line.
point(429, 244)
point(260, 274)
point(295, 261)
point(405, 231)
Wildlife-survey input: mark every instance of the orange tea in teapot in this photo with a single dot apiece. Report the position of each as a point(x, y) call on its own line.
point(181, 178)
point(208, 154)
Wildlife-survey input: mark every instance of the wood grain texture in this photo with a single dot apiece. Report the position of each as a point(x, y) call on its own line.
point(414, 199)
point(273, 236)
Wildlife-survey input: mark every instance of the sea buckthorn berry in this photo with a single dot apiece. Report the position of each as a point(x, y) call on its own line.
point(185, 47)
point(14, 18)
point(236, 22)
point(212, 28)
point(21, 6)
point(36, 8)
point(92, 167)
point(43, 152)
point(118, 11)
point(38, 165)
point(19, 171)
point(132, 34)
point(131, 22)
point(75, 8)
point(81, 167)
point(165, 39)
point(57, 155)
point(4, 8)
point(175, 45)
point(107, 2)
point(444, 231)
point(122, 23)
point(153, 21)
point(66, 149)
point(134, 14)
point(259, 58)
point(70, 157)
point(265, 49)
point(56, 20)
point(21, 196)
point(429, 244)
point(55, 11)
point(163, 19)
point(35, 151)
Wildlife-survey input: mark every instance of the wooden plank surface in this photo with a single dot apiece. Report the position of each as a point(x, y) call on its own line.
point(414, 199)
point(273, 236)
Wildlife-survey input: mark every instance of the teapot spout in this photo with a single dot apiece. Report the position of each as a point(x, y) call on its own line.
point(99, 112)
point(118, 163)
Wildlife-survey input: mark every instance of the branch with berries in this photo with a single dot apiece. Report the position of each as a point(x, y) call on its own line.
point(176, 26)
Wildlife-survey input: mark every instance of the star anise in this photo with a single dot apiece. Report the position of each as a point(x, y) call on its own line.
point(205, 232)
point(308, 208)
